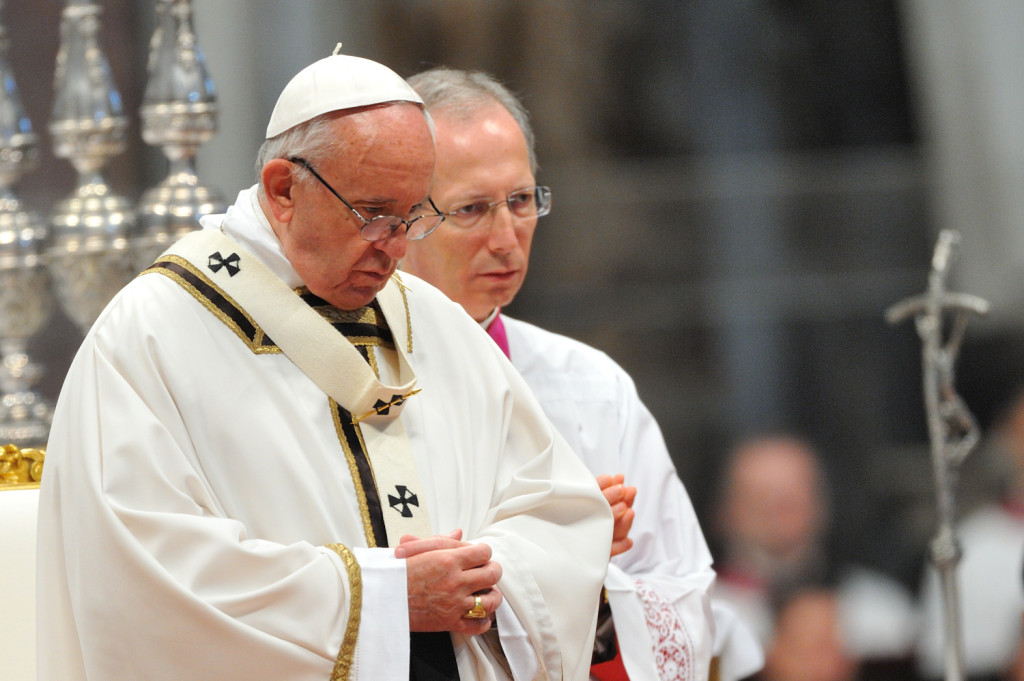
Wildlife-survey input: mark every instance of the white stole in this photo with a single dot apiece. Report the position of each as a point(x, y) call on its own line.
point(330, 361)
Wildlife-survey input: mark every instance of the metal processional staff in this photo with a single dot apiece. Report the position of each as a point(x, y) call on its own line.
point(952, 429)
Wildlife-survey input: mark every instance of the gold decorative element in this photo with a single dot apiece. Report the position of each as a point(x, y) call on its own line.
point(20, 468)
point(398, 399)
point(363, 315)
point(398, 280)
point(408, 317)
point(477, 612)
point(343, 665)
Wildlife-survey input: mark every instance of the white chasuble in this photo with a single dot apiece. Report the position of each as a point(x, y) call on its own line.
point(201, 516)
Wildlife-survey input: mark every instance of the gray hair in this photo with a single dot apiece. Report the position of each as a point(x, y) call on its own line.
point(313, 140)
point(463, 93)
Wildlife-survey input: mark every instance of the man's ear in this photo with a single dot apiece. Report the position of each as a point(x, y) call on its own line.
point(278, 183)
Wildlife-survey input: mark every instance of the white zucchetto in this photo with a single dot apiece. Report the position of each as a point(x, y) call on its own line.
point(335, 83)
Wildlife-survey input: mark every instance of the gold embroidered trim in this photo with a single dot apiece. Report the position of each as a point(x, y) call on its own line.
point(373, 341)
point(364, 315)
point(343, 665)
point(256, 343)
point(371, 359)
point(402, 288)
point(353, 469)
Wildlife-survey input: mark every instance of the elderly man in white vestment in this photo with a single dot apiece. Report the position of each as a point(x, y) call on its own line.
point(659, 581)
point(270, 461)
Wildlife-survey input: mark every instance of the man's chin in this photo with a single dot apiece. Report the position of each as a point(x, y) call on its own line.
point(481, 307)
point(503, 295)
point(355, 297)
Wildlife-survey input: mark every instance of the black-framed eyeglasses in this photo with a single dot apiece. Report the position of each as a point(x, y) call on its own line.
point(383, 226)
point(529, 202)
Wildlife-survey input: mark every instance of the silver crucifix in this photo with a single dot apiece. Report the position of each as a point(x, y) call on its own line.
point(952, 429)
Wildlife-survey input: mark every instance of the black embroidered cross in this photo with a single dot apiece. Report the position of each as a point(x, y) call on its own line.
point(218, 261)
point(405, 499)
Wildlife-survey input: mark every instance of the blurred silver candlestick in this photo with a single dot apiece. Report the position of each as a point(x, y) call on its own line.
point(25, 298)
point(90, 257)
point(179, 113)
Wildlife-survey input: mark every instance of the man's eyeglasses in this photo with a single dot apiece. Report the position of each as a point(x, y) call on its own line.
point(531, 202)
point(383, 226)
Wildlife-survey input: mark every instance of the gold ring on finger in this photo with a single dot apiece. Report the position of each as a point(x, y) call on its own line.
point(477, 612)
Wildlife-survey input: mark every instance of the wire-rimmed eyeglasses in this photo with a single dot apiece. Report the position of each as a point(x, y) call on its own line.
point(529, 202)
point(383, 226)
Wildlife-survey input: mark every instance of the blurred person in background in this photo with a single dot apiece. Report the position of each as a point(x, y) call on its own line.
point(659, 580)
point(771, 521)
point(807, 641)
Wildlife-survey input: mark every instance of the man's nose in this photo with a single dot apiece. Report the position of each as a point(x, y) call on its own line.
point(501, 235)
point(394, 244)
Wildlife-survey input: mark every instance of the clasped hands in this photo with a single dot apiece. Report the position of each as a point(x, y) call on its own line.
point(445, 576)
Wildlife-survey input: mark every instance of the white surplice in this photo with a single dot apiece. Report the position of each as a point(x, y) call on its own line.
point(659, 590)
point(200, 517)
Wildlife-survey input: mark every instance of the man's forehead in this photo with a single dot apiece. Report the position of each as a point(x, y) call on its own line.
point(482, 111)
point(382, 181)
point(476, 133)
point(381, 124)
